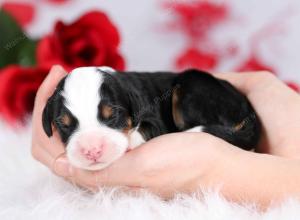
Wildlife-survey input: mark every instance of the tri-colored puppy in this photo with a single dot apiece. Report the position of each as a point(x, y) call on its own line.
point(100, 113)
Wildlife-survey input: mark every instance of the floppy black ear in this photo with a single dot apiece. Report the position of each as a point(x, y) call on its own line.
point(47, 117)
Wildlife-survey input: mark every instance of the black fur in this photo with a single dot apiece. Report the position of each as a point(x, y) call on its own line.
point(53, 112)
point(219, 107)
point(146, 98)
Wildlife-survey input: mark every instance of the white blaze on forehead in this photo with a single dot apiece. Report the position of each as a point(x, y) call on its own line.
point(81, 93)
point(106, 69)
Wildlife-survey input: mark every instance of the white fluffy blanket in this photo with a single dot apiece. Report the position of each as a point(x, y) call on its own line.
point(30, 191)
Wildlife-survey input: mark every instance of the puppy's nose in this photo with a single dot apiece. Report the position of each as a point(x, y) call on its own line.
point(92, 154)
point(91, 147)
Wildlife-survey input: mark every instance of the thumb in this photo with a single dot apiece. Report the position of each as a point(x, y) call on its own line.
point(62, 167)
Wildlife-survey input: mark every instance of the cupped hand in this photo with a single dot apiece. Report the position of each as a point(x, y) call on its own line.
point(278, 108)
point(180, 162)
point(177, 162)
point(44, 149)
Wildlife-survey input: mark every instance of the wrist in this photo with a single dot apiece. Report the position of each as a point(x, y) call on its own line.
point(228, 161)
point(213, 172)
point(260, 178)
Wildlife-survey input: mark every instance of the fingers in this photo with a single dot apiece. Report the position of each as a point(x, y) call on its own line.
point(58, 164)
point(49, 84)
point(45, 149)
point(247, 81)
point(42, 155)
point(46, 89)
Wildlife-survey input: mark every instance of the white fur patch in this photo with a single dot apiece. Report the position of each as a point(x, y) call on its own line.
point(106, 69)
point(135, 139)
point(195, 129)
point(81, 93)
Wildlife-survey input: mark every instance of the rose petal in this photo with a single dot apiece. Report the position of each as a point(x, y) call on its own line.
point(17, 91)
point(21, 11)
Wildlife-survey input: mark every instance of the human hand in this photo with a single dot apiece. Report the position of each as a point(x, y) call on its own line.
point(178, 162)
point(161, 164)
point(44, 149)
point(278, 108)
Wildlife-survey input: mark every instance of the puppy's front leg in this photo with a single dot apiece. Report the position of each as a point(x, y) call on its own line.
point(195, 129)
point(135, 139)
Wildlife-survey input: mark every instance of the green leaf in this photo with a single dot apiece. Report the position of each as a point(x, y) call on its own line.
point(15, 46)
point(26, 56)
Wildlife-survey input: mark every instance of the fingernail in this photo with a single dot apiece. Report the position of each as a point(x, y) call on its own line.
point(63, 168)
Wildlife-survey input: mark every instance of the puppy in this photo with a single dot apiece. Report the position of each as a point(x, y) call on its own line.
point(100, 114)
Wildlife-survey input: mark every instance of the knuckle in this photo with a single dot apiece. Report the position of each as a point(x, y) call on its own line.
point(259, 79)
point(265, 75)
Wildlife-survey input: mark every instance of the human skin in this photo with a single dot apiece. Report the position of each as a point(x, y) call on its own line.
point(185, 162)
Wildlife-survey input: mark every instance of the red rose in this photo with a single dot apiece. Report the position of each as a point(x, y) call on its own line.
point(17, 91)
point(23, 12)
point(92, 40)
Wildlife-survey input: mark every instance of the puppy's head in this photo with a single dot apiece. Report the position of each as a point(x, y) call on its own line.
point(92, 119)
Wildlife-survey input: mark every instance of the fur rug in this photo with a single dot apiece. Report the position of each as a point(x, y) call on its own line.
point(28, 190)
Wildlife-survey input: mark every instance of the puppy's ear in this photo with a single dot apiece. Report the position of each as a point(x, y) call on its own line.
point(47, 117)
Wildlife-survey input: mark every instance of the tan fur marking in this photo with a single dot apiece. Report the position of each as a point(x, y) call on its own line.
point(106, 111)
point(239, 126)
point(66, 120)
point(176, 114)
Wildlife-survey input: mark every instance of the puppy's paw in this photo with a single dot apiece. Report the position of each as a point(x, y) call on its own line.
point(135, 139)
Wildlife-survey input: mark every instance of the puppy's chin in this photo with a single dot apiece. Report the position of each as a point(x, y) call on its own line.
point(116, 144)
point(87, 165)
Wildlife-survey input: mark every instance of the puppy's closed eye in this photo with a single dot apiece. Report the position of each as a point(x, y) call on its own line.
point(66, 120)
point(106, 111)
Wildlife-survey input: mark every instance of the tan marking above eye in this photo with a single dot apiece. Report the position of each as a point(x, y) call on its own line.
point(106, 111)
point(66, 120)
